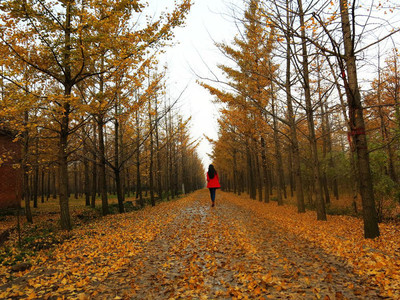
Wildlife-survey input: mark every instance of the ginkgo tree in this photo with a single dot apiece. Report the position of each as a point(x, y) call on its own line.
point(67, 42)
point(343, 33)
point(251, 90)
point(319, 44)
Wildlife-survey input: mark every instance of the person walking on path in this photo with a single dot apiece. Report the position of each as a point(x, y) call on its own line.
point(212, 183)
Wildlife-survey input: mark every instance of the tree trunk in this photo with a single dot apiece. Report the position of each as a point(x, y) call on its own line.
point(282, 174)
point(94, 167)
point(236, 188)
point(265, 170)
point(86, 179)
point(250, 172)
point(25, 168)
point(172, 160)
point(138, 176)
point(292, 124)
point(356, 118)
point(175, 173)
point(278, 157)
point(320, 204)
point(128, 183)
point(353, 170)
point(151, 164)
point(331, 163)
point(76, 184)
point(64, 126)
point(42, 189)
point(54, 186)
point(63, 169)
point(324, 142)
point(35, 185)
point(117, 167)
point(259, 178)
point(168, 164)
point(290, 170)
point(48, 190)
point(102, 169)
point(158, 157)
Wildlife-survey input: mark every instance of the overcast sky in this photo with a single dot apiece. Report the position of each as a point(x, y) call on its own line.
point(208, 21)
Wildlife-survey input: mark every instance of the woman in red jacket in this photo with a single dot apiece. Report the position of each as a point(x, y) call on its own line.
point(212, 182)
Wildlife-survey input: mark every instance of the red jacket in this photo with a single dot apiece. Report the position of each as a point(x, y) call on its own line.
point(213, 183)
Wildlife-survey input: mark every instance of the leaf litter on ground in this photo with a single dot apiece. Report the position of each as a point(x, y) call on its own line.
point(239, 249)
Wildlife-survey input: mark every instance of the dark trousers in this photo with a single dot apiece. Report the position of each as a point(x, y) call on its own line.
point(212, 193)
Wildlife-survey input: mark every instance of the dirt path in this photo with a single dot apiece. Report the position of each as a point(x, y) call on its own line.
point(226, 252)
point(186, 249)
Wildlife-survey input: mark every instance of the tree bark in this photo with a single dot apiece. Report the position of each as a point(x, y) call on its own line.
point(259, 178)
point(42, 189)
point(25, 168)
point(102, 169)
point(48, 189)
point(158, 156)
point(324, 144)
point(236, 189)
point(331, 163)
point(138, 176)
point(168, 158)
point(250, 172)
point(278, 157)
point(54, 184)
point(63, 168)
point(64, 125)
point(353, 170)
point(117, 168)
point(128, 183)
point(292, 123)
point(356, 118)
point(76, 184)
point(320, 204)
point(35, 185)
point(94, 168)
point(265, 170)
point(151, 165)
point(86, 179)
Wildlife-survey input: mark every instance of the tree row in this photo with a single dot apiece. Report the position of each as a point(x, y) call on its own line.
point(296, 118)
point(82, 90)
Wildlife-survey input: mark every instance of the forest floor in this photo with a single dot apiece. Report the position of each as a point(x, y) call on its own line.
point(240, 249)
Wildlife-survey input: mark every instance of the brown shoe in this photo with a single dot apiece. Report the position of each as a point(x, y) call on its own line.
point(213, 204)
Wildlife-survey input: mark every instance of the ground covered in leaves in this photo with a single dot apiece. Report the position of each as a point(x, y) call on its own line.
point(239, 249)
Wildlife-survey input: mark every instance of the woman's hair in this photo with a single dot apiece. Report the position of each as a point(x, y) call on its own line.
point(211, 171)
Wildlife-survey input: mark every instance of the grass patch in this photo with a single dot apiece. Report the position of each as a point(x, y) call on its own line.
point(10, 256)
point(43, 236)
point(340, 211)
